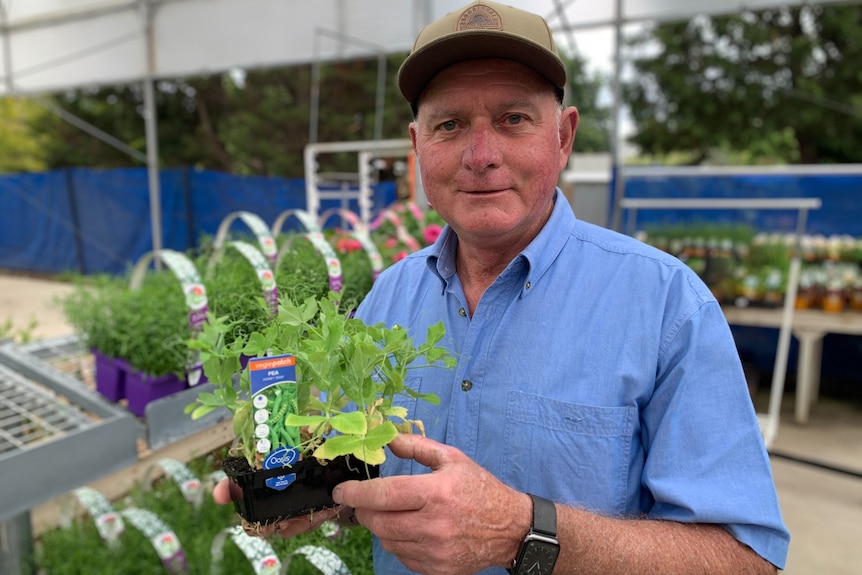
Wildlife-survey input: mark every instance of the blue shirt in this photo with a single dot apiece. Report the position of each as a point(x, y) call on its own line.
point(596, 371)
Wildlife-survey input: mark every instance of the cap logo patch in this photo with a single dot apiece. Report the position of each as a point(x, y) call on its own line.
point(479, 17)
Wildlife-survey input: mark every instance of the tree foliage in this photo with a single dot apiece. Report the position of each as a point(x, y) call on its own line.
point(21, 146)
point(257, 122)
point(776, 86)
point(584, 92)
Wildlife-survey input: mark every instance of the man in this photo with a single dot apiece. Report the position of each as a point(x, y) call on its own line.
point(598, 420)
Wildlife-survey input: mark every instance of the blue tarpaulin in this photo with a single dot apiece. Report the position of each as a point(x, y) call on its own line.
point(92, 221)
point(840, 194)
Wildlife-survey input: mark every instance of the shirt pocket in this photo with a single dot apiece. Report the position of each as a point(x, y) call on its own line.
point(575, 454)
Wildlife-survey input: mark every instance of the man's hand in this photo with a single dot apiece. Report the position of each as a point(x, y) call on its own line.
point(459, 519)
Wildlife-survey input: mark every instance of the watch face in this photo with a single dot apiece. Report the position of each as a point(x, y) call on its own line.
point(537, 558)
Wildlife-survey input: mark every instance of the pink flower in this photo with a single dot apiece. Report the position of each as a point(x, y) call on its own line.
point(431, 233)
point(399, 256)
point(416, 211)
point(391, 243)
point(347, 245)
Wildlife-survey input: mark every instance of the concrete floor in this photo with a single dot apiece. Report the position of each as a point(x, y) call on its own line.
point(822, 508)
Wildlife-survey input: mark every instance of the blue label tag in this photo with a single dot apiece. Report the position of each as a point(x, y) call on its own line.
point(279, 458)
point(268, 371)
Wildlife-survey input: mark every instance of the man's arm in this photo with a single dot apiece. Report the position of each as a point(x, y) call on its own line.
point(591, 544)
point(460, 519)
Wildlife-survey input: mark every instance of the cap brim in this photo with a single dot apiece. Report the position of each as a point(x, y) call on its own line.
point(422, 65)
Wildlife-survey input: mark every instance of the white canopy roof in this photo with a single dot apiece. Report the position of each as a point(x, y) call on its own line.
point(50, 45)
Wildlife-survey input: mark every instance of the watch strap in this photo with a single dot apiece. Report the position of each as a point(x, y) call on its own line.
point(544, 516)
point(544, 525)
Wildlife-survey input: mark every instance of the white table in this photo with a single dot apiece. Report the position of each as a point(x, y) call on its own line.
point(809, 327)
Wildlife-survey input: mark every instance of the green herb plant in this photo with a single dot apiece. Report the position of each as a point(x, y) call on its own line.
point(348, 375)
point(301, 272)
point(148, 327)
point(234, 290)
point(153, 324)
point(91, 308)
point(8, 330)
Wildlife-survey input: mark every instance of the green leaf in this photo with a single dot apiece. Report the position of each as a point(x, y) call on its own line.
point(290, 315)
point(351, 423)
point(309, 310)
point(339, 445)
point(295, 420)
point(371, 456)
point(200, 411)
point(395, 411)
point(242, 422)
point(256, 346)
point(429, 397)
point(435, 333)
point(381, 435)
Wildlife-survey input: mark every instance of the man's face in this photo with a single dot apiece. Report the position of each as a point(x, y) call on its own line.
point(491, 142)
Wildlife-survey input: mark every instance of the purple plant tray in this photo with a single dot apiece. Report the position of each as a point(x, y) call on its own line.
point(142, 388)
point(110, 376)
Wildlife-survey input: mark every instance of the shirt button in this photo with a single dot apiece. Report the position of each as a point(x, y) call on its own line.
point(466, 385)
point(462, 312)
point(529, 285)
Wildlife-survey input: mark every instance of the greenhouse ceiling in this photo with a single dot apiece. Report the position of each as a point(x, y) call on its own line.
point(52, 45)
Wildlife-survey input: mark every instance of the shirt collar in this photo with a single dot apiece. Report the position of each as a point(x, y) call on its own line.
point(538, 255)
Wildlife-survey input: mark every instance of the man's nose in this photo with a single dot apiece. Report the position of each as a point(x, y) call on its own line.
point(483, 150)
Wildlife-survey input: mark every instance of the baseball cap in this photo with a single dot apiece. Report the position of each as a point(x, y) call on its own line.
point(481, 30)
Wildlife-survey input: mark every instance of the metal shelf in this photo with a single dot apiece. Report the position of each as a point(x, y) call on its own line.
point(51, 443)
point(57, 433)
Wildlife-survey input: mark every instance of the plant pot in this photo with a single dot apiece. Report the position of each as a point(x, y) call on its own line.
point(142, 388)
point(110, 376)
point(310, 491)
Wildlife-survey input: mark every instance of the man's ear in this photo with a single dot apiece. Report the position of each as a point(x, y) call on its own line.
point(412, 129)
point(568, 128)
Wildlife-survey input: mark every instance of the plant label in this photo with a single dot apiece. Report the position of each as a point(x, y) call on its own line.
point(273, 388)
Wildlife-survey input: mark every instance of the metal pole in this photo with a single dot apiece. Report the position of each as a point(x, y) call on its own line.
point(779, 371)
point(380, 96)
point(315, 89)
point(151, 126)
point(7, 48)
point(16, 536)
point(616, 148)
point(16, 545)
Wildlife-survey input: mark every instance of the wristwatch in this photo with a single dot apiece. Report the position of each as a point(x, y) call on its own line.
point(541, 547)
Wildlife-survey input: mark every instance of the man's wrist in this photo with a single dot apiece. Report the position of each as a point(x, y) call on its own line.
point(541, 546)
point(523, 521)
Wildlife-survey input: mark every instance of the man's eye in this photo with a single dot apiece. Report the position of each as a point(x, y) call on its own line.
point(448, 126)
point(514, 119)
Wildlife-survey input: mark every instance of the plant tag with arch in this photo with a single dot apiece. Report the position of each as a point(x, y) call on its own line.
point(373, 253)
point(190, 486)
point(324, 560)
point(195, 295)
point(108, 522)
point(163, 539)
point(263, 270)
point(333, 264)
point(259, 553)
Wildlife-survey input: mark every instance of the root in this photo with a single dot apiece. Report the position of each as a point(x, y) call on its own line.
point(254, 529)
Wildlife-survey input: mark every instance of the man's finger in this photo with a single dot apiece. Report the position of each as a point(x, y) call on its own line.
point(422, 449)
point(221, 492)
point(398, 493)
